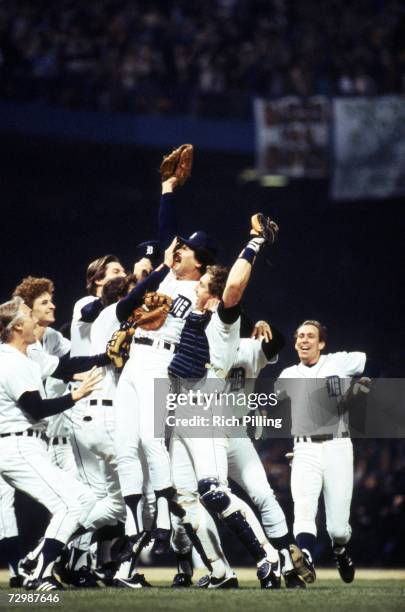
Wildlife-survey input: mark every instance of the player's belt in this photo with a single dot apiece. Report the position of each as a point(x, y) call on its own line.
point(95, 402)
point(157, 343)
point(58, 440)
point(321, 438)
point(30, 433)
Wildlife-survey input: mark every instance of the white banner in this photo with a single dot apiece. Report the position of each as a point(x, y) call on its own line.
point(369, 147)
point(292, 136)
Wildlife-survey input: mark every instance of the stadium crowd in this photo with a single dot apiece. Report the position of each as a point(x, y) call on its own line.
point(204, 58)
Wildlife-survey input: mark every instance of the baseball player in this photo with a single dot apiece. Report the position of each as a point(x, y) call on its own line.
point(97, 433)
point(211, 336)
point(244, 464)
point(37, 293)
point(150, 355)
point(24, 462)
point(323, 451)
point(98, 273)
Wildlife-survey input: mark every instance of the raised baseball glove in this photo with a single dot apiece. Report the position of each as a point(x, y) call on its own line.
point(264, 227)
point(119, 344)
point(178, 164)
point(152, 314)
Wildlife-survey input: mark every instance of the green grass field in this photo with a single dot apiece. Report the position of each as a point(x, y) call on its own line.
point(372, 590)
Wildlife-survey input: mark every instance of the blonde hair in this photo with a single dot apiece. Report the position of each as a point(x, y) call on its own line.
point(8, 317)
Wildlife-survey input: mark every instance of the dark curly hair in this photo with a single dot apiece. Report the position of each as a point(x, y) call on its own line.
point(32, 287)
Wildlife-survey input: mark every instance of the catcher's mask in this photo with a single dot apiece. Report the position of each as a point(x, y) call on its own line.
point(203, 245)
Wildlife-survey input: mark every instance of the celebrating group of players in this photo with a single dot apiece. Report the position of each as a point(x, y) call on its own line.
point(81, 432)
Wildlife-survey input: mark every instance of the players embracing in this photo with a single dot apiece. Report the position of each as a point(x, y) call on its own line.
point(146, 491)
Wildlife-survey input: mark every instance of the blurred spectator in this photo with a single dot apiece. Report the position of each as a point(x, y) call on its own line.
point(207, 57)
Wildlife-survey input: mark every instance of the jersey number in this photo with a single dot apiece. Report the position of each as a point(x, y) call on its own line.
point(333, 385)
point(236, 378)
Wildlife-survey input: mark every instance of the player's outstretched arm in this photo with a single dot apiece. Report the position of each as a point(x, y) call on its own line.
point(264, 232)
point(134, 299)
point(175, 169)
point(38, 408)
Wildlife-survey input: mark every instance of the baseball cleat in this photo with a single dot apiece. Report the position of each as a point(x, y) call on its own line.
point(345, 566)
point(137, 581)
point(49, 583)
point(265, 228)
point(303, 564)
point(162, 541)
point(210, 582)
point(129, 547)
point(82, 578)
point(293, 580)
point(26, 566)
point(16, 582)
point(269, 575)
point(106, 573)
point(181, 581)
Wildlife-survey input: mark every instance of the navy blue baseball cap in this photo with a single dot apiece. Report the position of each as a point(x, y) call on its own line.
point(204, 246)
point(149, 249)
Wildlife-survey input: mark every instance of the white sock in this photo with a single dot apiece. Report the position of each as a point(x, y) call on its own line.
point(163, 515)
point(287, 562)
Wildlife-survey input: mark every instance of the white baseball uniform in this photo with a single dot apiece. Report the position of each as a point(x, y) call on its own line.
point(24, 462)
point(59, 451)
point(245, 466)
point(321, 466)
point(59, 429)
point(198, 459)
point(135, 394)
point(92, 419)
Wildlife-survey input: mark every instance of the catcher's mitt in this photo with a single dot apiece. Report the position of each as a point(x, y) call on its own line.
point(178, 164)
point(264, 227)
point(152, 314)
point(119, 344)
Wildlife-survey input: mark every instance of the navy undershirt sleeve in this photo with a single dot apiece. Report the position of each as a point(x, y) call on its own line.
point(90, 312)
point(68, 366)
point(276, 344)
point(38, 408)
point(168, 227)
point(135, 297)
point(228, 315)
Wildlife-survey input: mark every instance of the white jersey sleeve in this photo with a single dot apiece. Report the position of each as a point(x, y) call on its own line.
point(349, 364)
point(251, 357)
point(18, 375)
point(223, 341)
point(23, 381)
point(79, 330)
point(103, 328)
point(47, 363)
point(55, 343)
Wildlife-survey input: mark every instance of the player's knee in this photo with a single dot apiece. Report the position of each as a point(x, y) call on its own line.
point(339, 533)
point(304, 510)
point(214, 497)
